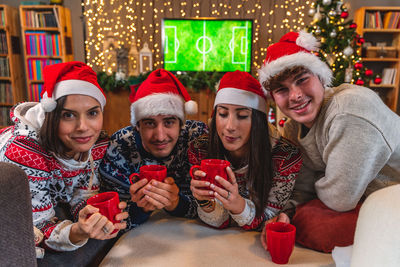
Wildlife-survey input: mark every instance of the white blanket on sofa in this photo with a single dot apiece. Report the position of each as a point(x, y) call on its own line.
point(170, 241)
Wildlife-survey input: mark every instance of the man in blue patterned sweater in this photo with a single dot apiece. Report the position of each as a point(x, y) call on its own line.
point(160, 135)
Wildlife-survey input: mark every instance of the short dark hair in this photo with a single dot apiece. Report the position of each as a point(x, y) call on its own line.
point(276, 81)
point(259, 157)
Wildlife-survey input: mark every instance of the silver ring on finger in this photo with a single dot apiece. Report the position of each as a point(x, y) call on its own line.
point(105, 230)
point(229, 194)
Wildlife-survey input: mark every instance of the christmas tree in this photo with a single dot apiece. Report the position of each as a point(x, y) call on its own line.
point(340, 44)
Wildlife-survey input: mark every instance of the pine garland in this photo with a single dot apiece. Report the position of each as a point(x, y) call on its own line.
point(197, 81)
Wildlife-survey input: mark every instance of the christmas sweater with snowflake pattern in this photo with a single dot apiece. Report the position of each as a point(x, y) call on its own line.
point(286, 162)
point(125, 155)
point(52, 180)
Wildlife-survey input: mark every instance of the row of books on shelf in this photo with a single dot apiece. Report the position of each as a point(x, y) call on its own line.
point(43, 44)
point(5, 116)
point(3, 43)
point(5, 92)
point(373, 19)
point(4, 67)
point(389, 76)
point(39, 19)
point(35, 90)
point(2, 18)
point(36, 65)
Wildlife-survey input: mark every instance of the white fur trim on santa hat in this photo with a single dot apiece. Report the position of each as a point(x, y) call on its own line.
point(305, 59)
point(240, 97)
point(157, 104)
point(72, 87)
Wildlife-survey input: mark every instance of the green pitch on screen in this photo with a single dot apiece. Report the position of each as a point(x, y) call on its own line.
point(207, 45)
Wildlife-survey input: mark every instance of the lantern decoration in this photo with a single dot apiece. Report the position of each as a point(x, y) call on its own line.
point(146, 59)
point(110, 46)
point(377, 79)
point(122, 62)
point(133, 60)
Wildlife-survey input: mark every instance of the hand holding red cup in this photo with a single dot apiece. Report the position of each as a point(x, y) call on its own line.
point(107, 203)
point(212, 168)
point(150, 172)
point(280, 238)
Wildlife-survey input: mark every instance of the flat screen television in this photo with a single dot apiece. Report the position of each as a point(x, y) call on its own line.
point(207, 44)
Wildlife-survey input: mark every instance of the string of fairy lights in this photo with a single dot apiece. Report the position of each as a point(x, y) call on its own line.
point(133, 22)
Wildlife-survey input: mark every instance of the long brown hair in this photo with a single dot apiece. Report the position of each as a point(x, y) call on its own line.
point(48, 135)
point(259, 157)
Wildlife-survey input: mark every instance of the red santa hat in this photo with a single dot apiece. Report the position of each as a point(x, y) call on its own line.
point(67, 79)
point(294, 49)
point(240, 88)
point(161, 94)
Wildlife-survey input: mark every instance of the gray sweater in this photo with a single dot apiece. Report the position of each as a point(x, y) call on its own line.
point(352, 149)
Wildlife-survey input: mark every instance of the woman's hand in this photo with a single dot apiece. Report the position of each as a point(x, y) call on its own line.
point(282, 217)
point(91, 224)
point(200, 188)
point(229, 194)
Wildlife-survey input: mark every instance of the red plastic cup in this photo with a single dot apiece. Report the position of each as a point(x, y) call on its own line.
point(280, 241)
point(150, 172)
point(107, 203)
point(212, 168)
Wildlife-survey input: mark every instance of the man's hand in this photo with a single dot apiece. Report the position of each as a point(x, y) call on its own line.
point(162, 194)
point(282, 217)
point(138, 196)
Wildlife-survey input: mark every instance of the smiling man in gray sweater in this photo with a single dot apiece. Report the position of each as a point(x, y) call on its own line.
point(349, 138)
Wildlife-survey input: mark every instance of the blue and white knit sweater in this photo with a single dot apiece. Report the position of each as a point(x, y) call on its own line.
point(125, 155)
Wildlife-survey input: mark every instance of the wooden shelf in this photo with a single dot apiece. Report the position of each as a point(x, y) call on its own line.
point(13, 84)
point(380, 59)
point(7, 104)
point(372, 85)
point(62, 18)
point(388, 92)
point(381, 30)
point(48, 29)
point(33, 56)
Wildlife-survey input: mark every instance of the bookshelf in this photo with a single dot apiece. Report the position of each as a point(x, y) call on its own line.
point(11, 74)
point(47, 39)
point(380, 27)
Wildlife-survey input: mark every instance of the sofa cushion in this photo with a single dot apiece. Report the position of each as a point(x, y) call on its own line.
point(321, 228)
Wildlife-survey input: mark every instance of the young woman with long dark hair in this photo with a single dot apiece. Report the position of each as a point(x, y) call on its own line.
point(264, 165)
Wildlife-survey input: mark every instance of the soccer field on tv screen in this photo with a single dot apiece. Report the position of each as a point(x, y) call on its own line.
point(207, 45)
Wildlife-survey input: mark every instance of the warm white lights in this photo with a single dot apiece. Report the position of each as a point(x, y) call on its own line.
point(140, 21)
